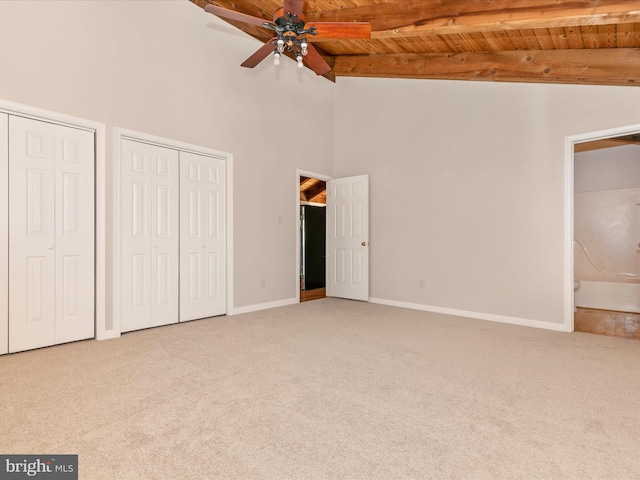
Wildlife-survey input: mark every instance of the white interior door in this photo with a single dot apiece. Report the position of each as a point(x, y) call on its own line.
point(74, 227)
point(165, 237)
point(31, 234)
point(348, 237)
point(51, 234)
point(202, 237)
point(4, 233)
point(149, 236)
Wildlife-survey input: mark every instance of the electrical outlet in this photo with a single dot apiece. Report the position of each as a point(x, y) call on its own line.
point(421, 283)
point(263, 283)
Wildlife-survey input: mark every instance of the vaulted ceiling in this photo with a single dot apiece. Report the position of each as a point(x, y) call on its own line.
point(544, 41)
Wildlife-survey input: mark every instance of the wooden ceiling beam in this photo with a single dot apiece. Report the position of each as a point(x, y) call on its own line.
point(605, 66)
point(315, 190)
point(407, 18)
point(633, 139)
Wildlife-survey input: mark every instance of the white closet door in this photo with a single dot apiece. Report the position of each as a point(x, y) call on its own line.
point(31, 234)
point(202, 237)
point(4, 233)
point(149, 236)
point(74, 226)
point(51, 239)
point(165, 236)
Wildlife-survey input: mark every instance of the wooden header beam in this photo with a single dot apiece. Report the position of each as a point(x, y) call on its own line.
point(605, 66)
point(443, 17)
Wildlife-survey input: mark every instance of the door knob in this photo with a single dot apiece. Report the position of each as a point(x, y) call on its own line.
point(364, 244)
point(155, 246)
point(50, 247)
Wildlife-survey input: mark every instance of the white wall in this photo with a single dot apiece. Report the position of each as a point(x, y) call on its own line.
point(467, 186)
point(607, 169)
point(167, 68)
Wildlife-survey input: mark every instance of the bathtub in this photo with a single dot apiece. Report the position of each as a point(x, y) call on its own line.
point(623, 297)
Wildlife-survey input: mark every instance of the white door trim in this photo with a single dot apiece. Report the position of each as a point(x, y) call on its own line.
point(569, 144)
point(119, 135)
point(99, 130)
point(318, 176)
point(4, 234)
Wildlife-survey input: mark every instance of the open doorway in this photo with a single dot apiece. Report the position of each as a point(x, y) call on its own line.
point(312, 235)
point(606, 236)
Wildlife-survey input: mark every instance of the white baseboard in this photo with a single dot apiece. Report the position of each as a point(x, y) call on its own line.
point(524, 322)
point(263, 306)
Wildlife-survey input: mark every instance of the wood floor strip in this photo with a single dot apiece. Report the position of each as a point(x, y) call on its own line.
point(307, 295)
point(606, 322)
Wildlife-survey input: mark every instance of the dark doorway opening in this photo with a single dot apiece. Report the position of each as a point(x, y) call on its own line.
point(313, 238)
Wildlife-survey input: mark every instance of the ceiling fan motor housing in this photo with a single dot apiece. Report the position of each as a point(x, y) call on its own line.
point(288, 25)
point(290, 32)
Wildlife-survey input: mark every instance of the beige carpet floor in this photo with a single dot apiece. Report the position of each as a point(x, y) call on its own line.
point(331, 389)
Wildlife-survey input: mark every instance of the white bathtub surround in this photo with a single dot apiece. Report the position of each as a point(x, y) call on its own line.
point(622, 297)
point(607, 224)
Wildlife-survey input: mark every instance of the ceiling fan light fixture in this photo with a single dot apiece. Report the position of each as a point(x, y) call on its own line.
point(290, 34)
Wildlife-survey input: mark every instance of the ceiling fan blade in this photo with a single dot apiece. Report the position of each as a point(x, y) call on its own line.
point(232, 15)
point(340, 30)
point(315, 62)
point(262, 53)
point(294, 7)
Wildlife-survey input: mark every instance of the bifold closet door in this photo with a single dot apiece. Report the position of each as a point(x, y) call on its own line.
point(202, 237)
point(51, 234)
point(149, 236)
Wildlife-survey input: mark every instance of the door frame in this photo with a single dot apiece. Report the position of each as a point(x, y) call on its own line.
point(569, 155)
point(100, 232)
point(123, 133)
point(298, 222)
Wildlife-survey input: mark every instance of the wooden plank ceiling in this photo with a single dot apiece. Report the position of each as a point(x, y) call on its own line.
point(313, 190)
point(544, 41)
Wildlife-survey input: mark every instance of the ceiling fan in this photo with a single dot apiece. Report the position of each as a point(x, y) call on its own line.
point(293, 34)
